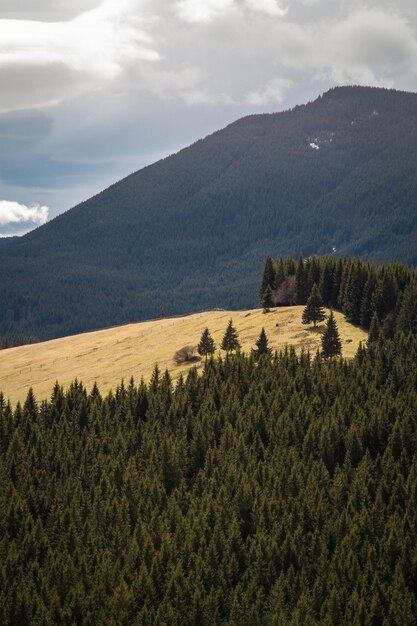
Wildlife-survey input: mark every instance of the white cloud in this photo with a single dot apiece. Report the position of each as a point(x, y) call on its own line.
point(273, 92)
point(90, 48)
point(270, 7)
point(195, 11)
point(202, 10)
point(368, 46)
point(13, 213)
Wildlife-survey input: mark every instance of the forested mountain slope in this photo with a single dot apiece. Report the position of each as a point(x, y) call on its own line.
point(191, 231)
point(274, 492)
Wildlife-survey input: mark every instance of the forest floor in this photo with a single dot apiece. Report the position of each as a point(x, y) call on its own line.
point(108, 356)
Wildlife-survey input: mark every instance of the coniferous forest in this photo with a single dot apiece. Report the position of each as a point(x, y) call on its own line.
point(272, 490)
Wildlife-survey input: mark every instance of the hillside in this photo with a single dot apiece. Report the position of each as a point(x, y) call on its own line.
point(276, 493)
point(107, 356)
point(191, 232)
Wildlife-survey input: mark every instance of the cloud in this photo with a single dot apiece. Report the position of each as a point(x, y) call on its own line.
point(270, 7)
point(272, 93)
point(195, 11)
point(82, 53)
point(120, 83)
point(15, 213)
point(202, 10)
point(367, 46)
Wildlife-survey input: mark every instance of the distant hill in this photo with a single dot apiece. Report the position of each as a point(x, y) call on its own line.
point(192, 231)
point(106, 356)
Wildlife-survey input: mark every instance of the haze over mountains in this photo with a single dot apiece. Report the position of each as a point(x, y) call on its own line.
point(192, 231)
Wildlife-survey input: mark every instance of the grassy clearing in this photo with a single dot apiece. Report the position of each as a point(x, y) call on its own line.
point(107, 356)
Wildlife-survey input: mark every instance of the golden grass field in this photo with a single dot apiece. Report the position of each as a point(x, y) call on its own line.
point(107, 356)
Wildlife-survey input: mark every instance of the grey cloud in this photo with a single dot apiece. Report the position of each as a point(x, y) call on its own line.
point(47, 10)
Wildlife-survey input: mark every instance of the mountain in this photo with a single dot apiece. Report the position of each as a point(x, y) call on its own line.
point(4, 241)
point(192, 231)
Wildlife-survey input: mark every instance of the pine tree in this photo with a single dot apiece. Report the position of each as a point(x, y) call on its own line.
point(374, 330)
point(326, 283)
point(230, 340)
point(262, 344)
point(301, 283)
point(268, 277)
point(206, 346)
point(279, 274)
point(331, 345)
point(313, 311)
point(407, 317)
point(266, 299)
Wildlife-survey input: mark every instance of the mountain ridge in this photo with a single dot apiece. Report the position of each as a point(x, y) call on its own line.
point(192, 230)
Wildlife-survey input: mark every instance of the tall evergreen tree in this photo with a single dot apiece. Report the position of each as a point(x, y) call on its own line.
point(206, 347)
point(331, 345)
point(266, 299)
point(407, 317)
point(326, 283)
point(230, 341)
point(262, 344)
point(314, 311)
point(279, 273)
point(268, 277)
point(374, 330)
point(301, 283)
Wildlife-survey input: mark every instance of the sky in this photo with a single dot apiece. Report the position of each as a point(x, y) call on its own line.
point(92, 90)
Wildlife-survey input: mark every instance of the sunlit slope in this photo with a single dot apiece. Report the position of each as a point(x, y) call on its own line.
point(107, 356)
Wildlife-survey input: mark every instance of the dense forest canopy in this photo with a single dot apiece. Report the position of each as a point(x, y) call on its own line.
point(271, 490)
point(190, 232)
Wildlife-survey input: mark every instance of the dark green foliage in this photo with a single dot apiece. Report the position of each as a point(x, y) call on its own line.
point(359, 289)
point(268, 277)
point(11, 341)
point(331, 345)
point(266, 299)
point(168, 235)
point(407, 318)
point(301, 283)
point(374, 330)
point(314, 311)
point(262, 344)
point(230, 341)
point(281, 491)
point(206, 347)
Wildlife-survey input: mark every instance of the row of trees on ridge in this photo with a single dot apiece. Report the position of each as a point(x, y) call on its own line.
point(358, 289)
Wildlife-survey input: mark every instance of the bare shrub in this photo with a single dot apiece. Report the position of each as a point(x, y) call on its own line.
point(187, 354)
point(284, 295)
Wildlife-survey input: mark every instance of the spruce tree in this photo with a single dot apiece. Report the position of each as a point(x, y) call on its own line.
point(206, 346)
point(407, 317)
point(331, 345)
point(313, 311)
point(230, 340)
point(262, 344)
point(266, 299)
point(301, 283)
point(268, 277)
point(374, 330)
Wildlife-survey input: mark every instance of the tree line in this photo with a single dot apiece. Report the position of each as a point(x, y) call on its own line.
point(357, 288)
